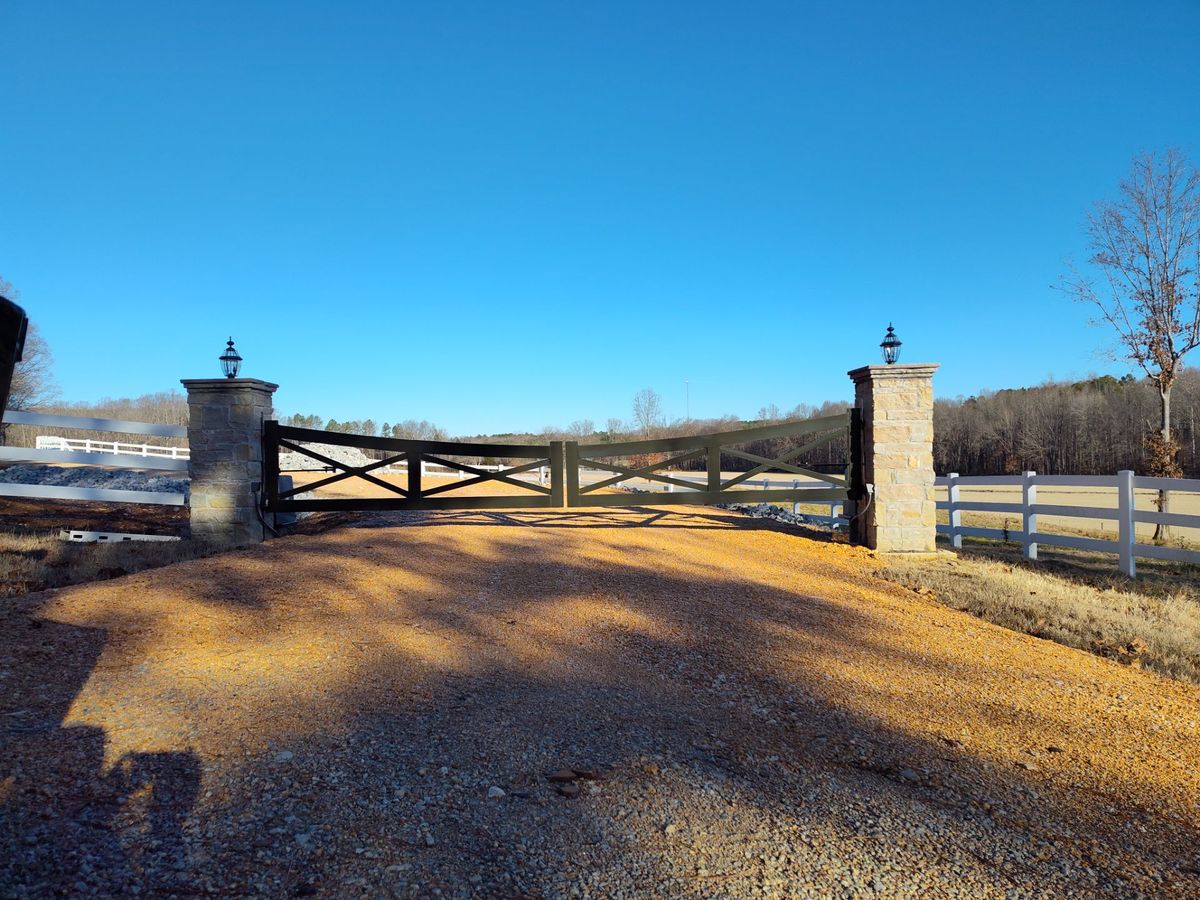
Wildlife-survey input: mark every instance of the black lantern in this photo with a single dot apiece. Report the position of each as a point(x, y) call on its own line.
point(230, 361)
point(890, 345)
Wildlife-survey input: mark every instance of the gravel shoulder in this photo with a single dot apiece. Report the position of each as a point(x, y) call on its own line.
point(744, 710)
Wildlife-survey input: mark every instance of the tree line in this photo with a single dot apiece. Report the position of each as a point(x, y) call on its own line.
point(1094, 427)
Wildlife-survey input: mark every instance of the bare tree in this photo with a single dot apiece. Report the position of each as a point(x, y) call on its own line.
point(1146, 247)
point(581, 428)
point(647, 410)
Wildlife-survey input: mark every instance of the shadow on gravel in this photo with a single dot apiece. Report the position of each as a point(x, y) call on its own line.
point(57, 800)
point(382, 657)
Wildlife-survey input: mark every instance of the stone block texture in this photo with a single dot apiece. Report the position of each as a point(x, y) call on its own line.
point(225, 417)
point(896, 404)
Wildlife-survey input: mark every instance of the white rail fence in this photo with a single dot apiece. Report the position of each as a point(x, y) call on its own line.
point(87, 445)
point(1126, 514)
point(109, 455)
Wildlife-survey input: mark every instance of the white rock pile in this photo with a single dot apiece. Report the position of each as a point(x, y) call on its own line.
point(290, 461)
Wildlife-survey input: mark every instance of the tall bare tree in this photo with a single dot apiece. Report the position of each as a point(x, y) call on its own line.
point(647, 410)
point(1145, 245)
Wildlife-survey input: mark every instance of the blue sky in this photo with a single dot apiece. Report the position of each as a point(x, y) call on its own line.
point(499, 216)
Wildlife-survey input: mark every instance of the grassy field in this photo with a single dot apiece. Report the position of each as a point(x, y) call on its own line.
point(1072, 597)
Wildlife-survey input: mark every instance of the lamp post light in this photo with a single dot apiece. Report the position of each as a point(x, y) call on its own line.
point(890, 346)
point(231, 361)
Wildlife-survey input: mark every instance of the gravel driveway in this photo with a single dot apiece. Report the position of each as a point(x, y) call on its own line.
point(630, 703)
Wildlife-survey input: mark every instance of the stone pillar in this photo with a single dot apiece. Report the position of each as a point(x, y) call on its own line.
point(896, 408)
point(225, 417)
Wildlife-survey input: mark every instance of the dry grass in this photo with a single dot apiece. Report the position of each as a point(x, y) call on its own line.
point(1075, 599)
point(33, 558)
point(36, 562)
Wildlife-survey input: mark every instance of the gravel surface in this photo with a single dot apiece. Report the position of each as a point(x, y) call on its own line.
point(646, 702)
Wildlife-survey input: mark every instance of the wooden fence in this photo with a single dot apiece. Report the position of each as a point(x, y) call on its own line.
point(1126, 515)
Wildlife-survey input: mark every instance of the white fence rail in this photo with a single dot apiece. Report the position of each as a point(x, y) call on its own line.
point(107, 454)
point(1126, 514)
point(86, 423)
point(87, 445)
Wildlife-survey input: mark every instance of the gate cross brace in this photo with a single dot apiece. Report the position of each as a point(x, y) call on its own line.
point(648, 472)
point(350, 471)
point(782, 463)
point(482, 475)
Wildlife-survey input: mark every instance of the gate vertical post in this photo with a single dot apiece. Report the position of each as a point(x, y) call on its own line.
point(270, 465)
point(713, 465)
point(225, 462)
point(564, 458)
point(416, 468)
point(895, 406)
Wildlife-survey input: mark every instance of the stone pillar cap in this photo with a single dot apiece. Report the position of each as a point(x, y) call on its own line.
point(224, 384)
point(897, 370)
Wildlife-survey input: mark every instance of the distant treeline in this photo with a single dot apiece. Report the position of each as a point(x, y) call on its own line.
point(409, 429)
point(1093, 427)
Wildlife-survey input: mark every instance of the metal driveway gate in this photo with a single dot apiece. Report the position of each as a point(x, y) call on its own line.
point(578, 474)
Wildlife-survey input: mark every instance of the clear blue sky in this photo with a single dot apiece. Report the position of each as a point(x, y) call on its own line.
point(492, 215)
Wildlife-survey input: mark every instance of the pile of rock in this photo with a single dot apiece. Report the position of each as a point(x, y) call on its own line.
point(89, 477)
point(779, 514)
point(290, 461)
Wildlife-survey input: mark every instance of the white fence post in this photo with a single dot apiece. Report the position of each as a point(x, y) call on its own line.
point(1029, 519)
point(955, 513)
point(1125, 526)
point(796, 504)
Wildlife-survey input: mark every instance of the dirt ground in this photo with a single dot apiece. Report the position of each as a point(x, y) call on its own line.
point(743, 710)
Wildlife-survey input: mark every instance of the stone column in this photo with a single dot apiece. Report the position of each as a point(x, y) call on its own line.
point(225, 417)
point(896, 406)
